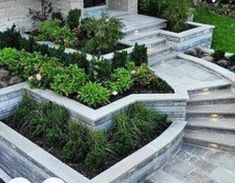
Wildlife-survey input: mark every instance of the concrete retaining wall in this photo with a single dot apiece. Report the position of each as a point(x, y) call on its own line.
point(172, 104)
point(201, 35)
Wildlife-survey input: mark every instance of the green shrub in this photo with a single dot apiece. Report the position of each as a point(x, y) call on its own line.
point(121, 80)
point(152, 7)
point(69, 80)
point(218, 55)
point(53, 137)
point(176, 13)
point(232, 60)
point(73, 18)
point(94, 95)
point(139, 55)
point(100, 70)
point(80, 59)
point(57, 16)
point(76, 131)
point(102, 34)
point(99, 146)
point(143, 75)
point(161, 86)
point(75, 150)
point(54, 31)
point(120, 59)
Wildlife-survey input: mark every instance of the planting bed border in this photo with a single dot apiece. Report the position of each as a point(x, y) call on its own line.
point(225, 73)
point(172, 104)
point(21, 157)
point(200, 35)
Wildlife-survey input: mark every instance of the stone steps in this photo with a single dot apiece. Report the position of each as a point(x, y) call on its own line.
point(132, 31)
point(213, 109)
point(210, 139)
point(161, 176)
point(162, 55)
point(138, 36)
point(223, 125)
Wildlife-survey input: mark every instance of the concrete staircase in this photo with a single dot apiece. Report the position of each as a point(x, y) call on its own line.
point(211, 118)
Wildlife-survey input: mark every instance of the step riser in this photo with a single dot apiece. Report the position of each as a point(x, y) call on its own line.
point(211, 102)
point(147, 28)
point(159, 53)
point(156, 44)
point(160, 57)
point(211, 89)
point(151, 36)
point(208, 144)
point(208, 115)
point(211, 129)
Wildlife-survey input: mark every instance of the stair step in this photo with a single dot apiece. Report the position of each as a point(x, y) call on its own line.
point(161, 176)
point(219, 109)
point(155, 59)
point(222, 175)
point(217, 124)
point(138, 36)
point(210, 139)
point(154, 51)
point(130, 31)
point(212, 94)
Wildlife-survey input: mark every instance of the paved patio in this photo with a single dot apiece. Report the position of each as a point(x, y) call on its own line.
point(196, 164)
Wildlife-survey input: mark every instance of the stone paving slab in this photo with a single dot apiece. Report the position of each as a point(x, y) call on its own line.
point(181, 73)
point(196, 164)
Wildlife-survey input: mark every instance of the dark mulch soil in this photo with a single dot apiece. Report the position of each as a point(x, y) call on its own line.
point(80, 166)
point(7, 79)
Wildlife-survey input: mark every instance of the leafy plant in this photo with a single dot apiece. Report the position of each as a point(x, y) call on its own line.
point(73, 18)
point(176, 13)
point(53, 137)
point(57, 16)
point(139, 55)
point(102, 35)
point(120, 59)
point(53, 30)
point(93, 94)
point(143, 75)
point(218, 55)
point(121, 81)
point(69, 80)
point(100, 70)
point(99, 146)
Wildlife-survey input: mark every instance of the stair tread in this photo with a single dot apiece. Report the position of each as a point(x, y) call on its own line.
point(212, 95)
point(211, 137)
point(213, 123)
point(158, 49)
point(214, 108)
point(141, 35)
point(161, 176)
point(154, 60)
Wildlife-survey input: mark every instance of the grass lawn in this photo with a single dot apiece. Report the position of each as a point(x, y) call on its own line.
point(224, 35)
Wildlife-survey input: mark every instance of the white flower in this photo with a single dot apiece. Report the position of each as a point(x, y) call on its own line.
point(133, 72)
point(30, 78)
point(39, 77)
point(107, 20)
point(213, 1)
point(114, 93)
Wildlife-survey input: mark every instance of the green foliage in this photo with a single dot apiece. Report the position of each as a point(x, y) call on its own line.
point(100, 70)
point(102, 34)
point(139, 55)
point(73, 18)
point(120, 59)
point(177, 14)
point(39, 118)
point(94, 95)
point(121, 80)
point(75, 150)
point(143, 75)
point(135, 124)
point(80, 59)
point(57, 16)
point(54, 31)
point(232, 60)
point(218, 55)
point(68, 80)
point(53, 137)
point(161, 86)
point(152, 7)
point(99, 146)
point(224, 31)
